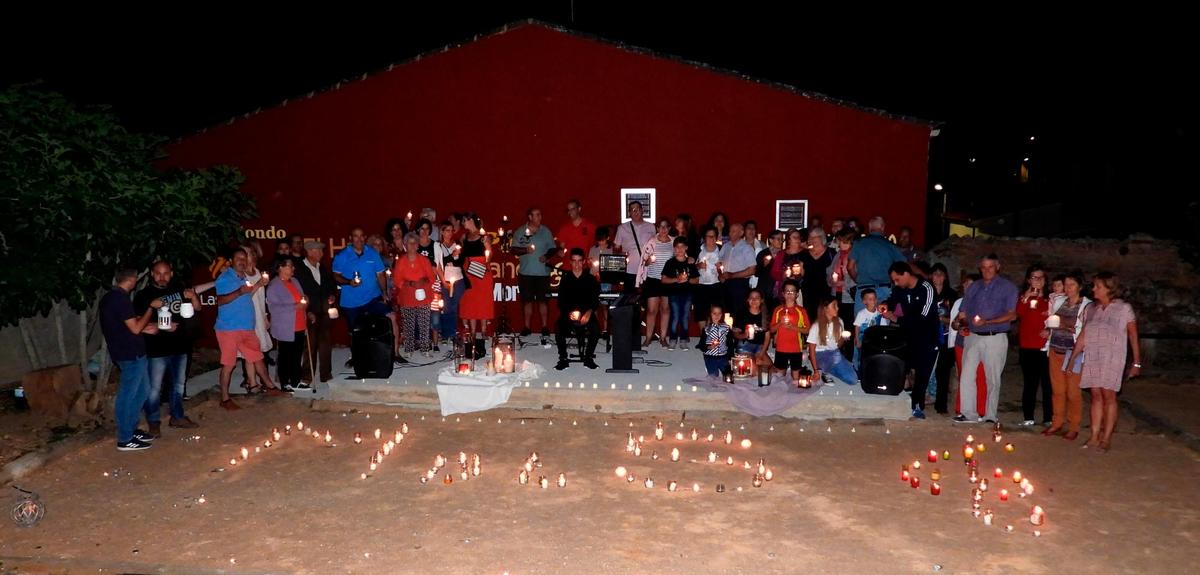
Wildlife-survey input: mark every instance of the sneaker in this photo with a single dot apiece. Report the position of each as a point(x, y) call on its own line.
point(545, 342)
point(960, 418)
point(986, 420)
point(590, 363)
point(185, 423)
point(134, 444)
point(143, 436)
point(562, 364)
point(918, 413)
point(300, 387)
point(1028, 423)
point(400, 359)
point(350, 363)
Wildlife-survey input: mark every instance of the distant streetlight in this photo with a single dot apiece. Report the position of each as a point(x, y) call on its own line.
point(937, 187)
point(1030, 138)
point(972, 160)
point(1025, 160)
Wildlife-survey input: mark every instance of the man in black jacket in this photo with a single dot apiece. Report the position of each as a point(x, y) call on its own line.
point(578, 298)
point(316, 279)
point(918, 317)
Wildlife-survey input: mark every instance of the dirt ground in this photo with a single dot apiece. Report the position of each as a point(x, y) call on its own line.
point(835, 505)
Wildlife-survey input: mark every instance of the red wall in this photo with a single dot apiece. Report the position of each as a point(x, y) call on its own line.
point(534, 116)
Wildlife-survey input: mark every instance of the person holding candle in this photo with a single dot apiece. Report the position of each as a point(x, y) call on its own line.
point(684, 228)
point(1109, 330)
point(737, 261)
point(750, 327)
point(789, 324)
point(708, 290)
point(815, 286)
point(122, 329)
point(786, 264)
point(631, 240)
point(448, 265)
point(535, 245)
point(678, 277)
point(825, 339)
point(262, 325)
point(316, 280)
point(393, 234)
point(1032, 311)
point(477, 306)
point(1064, 326)
point(914, 299)
point(359, 270)
point(764, 264)
point(842, 285)
point(658, 250)
point(289, 310)
point(867, 318)
point(719, 222)
point(945, 296)
point(576, 232)
point(715, 338)
point(954, 340)
point(235, 325)
point(578, 299)
point(991, 305)
point(414, 277)
point(167, 351)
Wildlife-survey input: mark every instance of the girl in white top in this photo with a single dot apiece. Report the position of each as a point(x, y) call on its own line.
point(824, 338)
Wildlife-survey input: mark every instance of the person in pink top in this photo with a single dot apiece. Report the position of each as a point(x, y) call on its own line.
point(1109, 328)
point(414, 277)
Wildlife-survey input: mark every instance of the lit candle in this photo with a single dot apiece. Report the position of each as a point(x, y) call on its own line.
point(654, 455)
point(978, 320)
point(528, 466)
point(932, 455)
point(998, 473)
point(914, 481)
point(1003, 495)
point(1033, 303)
point(1053, 322)
point(710, 437)
point(637, 450)
point(712, 456)
point(746, 444)
point(1016, 477)
point(757, 481)
point(729, 460)
point(728, 437)
point(404, 427)
point(439, 460)
point(363, 476)
point(973, 477)
point(462, 458)
point(769, 475)
point(373, 466)
point(357, 438)
point(675, 454)
point(232, 461)
point(983, 485)
point(946, 455)
point(448, 479)
point(378, 433)
point(695, 488)
point(988, 517)
point(300, 425)
point(523, 477)
point(695, 434)
point(245, 453)
point(980, 447)
point(904, 472)
point(328, 436)
point(679, 436)
point(287, 430)
point(275, 435)
point(267, 443)
point(916, 464)
point(968, 453)
point(562, 479)
point(1008, 447)
point(935, 488)
point(649, 482)
point(630, 478)
point(936, 475)
point(672, 486)
point(835, 277)
point(658, 434)
point(463, 474)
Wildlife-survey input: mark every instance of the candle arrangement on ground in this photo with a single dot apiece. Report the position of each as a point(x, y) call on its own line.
point(972, 452)
point(759, 476)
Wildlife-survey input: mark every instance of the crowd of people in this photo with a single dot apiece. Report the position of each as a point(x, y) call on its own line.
point(799, 303)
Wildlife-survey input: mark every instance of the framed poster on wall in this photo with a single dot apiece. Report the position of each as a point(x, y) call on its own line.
point(645, 196)
point(791, 214)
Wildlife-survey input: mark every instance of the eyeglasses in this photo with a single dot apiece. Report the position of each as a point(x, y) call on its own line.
point(792, 291)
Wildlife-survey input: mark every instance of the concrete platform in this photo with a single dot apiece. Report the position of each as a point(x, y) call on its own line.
point(658, 387)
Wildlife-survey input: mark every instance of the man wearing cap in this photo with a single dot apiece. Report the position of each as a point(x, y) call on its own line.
point(316, 280)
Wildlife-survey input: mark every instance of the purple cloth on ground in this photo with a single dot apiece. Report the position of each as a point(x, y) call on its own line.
point(748, 397)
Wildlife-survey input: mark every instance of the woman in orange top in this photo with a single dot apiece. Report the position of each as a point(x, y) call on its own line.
point(789, 323)
point(414, 277)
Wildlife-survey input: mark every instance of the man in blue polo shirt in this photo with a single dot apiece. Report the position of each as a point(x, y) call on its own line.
point(988, 310)
point(235, 325)
point(870, 259)
point(359, 273)
point(122, 329)
point(737, 265)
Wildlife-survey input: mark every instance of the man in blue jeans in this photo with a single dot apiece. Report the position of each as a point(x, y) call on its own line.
point(122, 329)
point(870, 259)
point(167, 349)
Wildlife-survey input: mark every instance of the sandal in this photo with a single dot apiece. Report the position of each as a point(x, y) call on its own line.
point(252, 389)
point(1105, 446)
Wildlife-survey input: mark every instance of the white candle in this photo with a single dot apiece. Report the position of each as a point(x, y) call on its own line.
point(675, 454)
point(562, 479)
point(1053, 322)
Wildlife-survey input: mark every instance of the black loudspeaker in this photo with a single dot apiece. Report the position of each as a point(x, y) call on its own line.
point(371, 345)
point(883, 365)
point(622, 316)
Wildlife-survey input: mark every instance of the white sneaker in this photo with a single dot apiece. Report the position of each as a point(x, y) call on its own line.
point(1028, 423)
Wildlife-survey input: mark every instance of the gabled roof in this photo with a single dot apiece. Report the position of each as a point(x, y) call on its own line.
point(621, 45)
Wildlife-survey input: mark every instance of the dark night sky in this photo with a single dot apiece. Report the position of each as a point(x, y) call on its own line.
point(1104, 95)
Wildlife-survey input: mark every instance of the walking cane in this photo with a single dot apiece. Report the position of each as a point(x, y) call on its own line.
point(308, 342)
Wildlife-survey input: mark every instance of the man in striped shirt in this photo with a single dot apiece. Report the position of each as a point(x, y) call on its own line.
point(912, 305)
